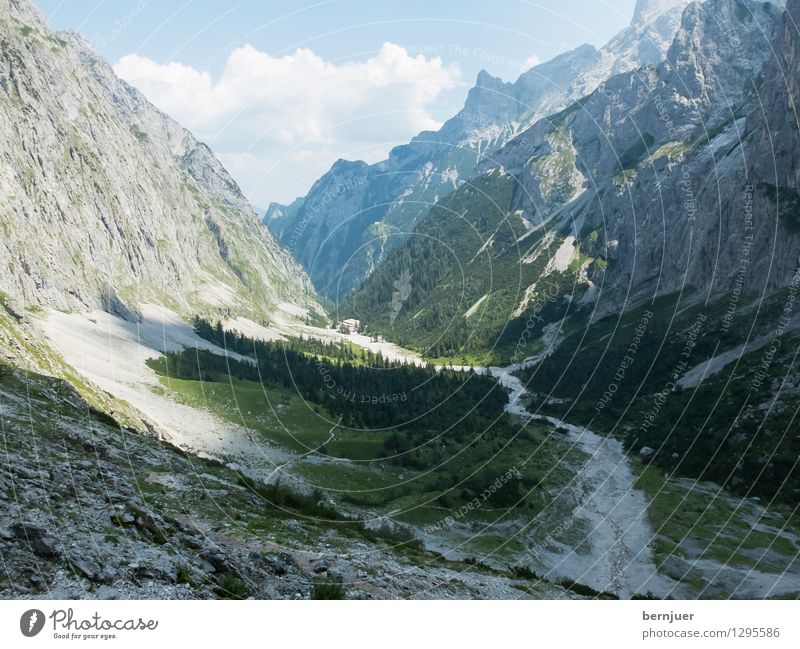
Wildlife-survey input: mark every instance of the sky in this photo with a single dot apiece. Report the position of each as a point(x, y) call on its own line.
point(280, 90)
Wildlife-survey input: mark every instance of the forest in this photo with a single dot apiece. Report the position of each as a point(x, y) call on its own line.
point(410, 405)
point(622, 376)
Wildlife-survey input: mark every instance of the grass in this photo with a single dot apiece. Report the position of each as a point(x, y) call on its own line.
point(205, 490)
point(498, 547)
point(624, 177)
point(139, 135)
point(184, 574)
point(278, 416)
point(671, 150)
point(326, 589)
point(696, 520)
point(230, 587)
point(367, 479)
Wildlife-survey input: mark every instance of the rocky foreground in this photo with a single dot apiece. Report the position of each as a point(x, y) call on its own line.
point(95, 506)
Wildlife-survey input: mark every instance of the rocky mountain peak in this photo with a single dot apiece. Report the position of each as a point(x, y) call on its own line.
point(401, 189)
point(486, 80)
point(109, 203)
point(23, 10)
point(647, 11)
point(719, 43)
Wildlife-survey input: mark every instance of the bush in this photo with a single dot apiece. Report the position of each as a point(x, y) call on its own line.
point(184, 574)
point(586, 591)
point(326, 589)
point(523, 572)
point(230, 587)
point(647, 595)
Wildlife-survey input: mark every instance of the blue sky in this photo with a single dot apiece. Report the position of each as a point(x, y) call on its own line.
point(280, 89)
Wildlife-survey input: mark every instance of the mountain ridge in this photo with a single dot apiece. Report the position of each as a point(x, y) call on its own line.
point(342, 231)
point(649, 230)
point(119, 203)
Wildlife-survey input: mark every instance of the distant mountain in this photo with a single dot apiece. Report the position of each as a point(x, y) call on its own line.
point(660, 213)
point(107, 202)
point(603, 182)
point(354, 214)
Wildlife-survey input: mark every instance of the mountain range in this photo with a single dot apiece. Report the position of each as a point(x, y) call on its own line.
point(107, 202)
point(354, 214)
point(669, 190)
point(583, 283)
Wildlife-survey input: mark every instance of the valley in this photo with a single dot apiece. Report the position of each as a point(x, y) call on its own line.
point(577, 507)
point(547, 350)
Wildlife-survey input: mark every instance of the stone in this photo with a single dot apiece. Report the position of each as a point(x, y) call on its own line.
point(86, 565)
point(142, 153)
point(38, 539)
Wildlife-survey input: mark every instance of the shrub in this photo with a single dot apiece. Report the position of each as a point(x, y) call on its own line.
point(184, 574)
point(326, 589)
point(231, 587)
point(586, 591)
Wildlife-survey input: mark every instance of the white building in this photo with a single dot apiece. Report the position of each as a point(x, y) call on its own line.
point(351, 325)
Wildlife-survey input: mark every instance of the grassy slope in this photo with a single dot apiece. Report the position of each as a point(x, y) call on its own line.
point(368, 478)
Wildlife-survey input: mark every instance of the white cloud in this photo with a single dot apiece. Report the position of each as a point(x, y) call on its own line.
point(530, 62)
point(272, 118)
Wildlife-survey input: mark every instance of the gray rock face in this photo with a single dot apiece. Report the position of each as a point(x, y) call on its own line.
point(660, 160)
point(709, 207)
point(647, 11)
point(106, 202)
point(93, 510)
point(352, 216)
point(665, 178)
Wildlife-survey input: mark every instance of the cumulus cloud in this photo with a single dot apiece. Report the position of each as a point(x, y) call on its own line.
point(296, 110)
point(530, 62)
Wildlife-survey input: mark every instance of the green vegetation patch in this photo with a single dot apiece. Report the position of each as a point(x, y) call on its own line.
point(139, 135)
point(787, 201)
point(635, 153)
point(699, 520)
